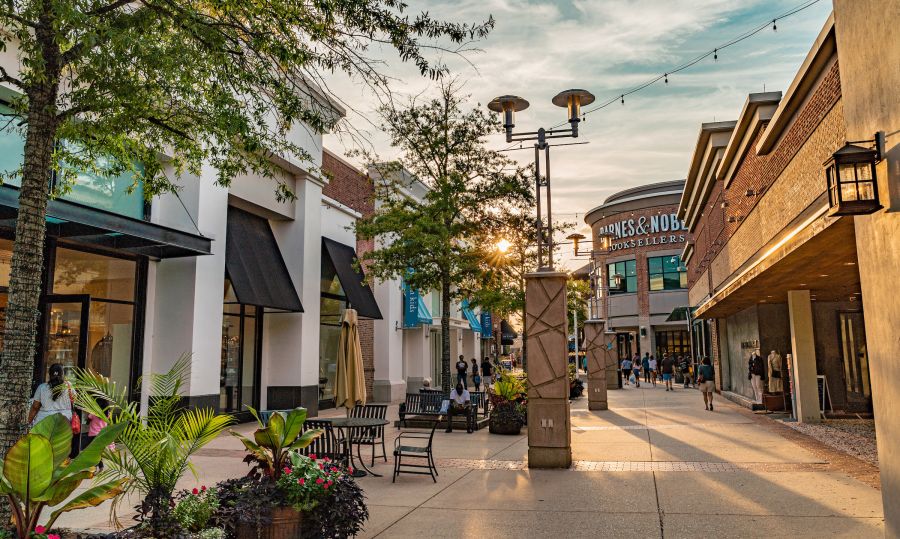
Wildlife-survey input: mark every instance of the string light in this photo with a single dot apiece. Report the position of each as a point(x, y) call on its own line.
point(623, 99)
point(716, 55)
point(774, 25)
point(667, 78)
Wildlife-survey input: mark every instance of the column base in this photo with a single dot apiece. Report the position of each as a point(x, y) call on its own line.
point(389, 391)
point(549, 457)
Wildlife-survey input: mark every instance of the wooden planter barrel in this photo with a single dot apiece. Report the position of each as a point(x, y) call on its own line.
point(286, 524)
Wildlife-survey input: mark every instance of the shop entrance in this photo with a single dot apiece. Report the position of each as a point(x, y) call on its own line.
point(856, 360)
point(66, 319)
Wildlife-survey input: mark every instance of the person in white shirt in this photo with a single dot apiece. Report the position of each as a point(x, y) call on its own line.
point(653, 366)
point(51, 397)
point(460, 403)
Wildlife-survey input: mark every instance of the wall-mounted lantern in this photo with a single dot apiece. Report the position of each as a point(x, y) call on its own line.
point(852, 182)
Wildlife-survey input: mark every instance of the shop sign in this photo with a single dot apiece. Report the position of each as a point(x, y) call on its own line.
point(645, 231)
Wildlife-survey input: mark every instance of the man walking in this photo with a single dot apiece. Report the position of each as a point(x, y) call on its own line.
point(645, 366)
point(626, 371)
point(684, 364)
point(668, 371)
point(461, 369)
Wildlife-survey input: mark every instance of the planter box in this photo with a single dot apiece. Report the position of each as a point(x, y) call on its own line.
point(286, 524)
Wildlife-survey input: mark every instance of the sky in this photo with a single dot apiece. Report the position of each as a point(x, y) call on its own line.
point(538, 49)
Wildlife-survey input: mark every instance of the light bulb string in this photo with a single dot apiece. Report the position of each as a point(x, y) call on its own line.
point(620, 97)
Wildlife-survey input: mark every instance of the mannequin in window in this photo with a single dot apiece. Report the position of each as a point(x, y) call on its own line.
point(775, 379)
point(755, 375)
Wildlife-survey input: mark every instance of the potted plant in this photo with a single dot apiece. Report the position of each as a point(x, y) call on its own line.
point(270, 452)
point(576, 386)
point(37, 473)
point(194, 512)
point(158, 445)
point(508, 403)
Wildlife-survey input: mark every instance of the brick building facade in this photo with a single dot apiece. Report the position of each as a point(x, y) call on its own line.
point(767, 257)
point(645, 255)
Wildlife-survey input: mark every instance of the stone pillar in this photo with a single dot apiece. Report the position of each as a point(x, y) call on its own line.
point(803, 346)
point(549, 432)
point(600, 355)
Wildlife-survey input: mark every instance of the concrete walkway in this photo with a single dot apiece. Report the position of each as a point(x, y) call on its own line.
point(655, 465)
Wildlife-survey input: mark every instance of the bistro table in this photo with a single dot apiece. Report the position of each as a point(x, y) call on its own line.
point(348, 425)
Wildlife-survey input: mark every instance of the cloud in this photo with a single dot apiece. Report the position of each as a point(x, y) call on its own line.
point(539, 48)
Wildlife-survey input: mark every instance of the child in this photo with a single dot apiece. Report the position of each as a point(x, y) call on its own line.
point(97, 424)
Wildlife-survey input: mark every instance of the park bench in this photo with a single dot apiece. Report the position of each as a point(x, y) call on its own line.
point(421, 404)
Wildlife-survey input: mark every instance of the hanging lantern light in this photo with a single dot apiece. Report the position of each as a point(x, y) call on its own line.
point(852, 182)
point(508, 105)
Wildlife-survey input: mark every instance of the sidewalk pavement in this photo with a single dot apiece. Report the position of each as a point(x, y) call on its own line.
point(656, 464)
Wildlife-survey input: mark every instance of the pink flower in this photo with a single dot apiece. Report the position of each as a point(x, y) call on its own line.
point(39, 529)
point(287, 470)
point(203, 488)
point(326, 459)
point(319, 481)
point(53, 536)
point(329, 483)
point(195, 491)
point(301, 481)
point(312, 456)
point(350, 469)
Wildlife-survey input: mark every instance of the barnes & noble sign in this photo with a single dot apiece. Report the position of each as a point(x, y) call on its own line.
point(654, 230)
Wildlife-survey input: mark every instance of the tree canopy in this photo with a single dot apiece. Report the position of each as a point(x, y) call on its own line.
point(443, 239)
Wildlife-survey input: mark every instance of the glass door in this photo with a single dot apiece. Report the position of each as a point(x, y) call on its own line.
point(66, 326)
point(856, 359)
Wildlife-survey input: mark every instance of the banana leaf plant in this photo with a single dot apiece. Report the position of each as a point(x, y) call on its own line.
point(37, 473)
point(274, 441)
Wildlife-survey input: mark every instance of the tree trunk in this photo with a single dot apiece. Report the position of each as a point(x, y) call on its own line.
point(17, 358)
point(445, 335)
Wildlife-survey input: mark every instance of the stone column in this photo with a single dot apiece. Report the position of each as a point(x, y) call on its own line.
point(549, 433)
point(803, 346)
point(600, 355)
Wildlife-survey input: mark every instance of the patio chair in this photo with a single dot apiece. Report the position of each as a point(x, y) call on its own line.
point(412, 445)
point(326, 445)
point(370, 435)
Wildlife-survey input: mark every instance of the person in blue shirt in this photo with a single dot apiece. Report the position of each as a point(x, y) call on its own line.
point(645, 365)
point(626, 371)
point(706, 382)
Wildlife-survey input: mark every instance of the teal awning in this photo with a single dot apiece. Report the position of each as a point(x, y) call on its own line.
point(470, 316)
point(424, 315)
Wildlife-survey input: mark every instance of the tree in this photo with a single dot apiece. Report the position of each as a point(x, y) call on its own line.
point(440, 242)
point(503, 289)
point(109, 86)
point(578, 292)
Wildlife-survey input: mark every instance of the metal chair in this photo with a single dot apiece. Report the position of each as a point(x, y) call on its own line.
point(370, 435)
point(326, 445)
point(405, 448)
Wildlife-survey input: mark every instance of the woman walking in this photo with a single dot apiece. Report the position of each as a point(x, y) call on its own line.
point(55, 396)
point(653, 368)
point(626, 371)
point(705, 381)
point(637, 373)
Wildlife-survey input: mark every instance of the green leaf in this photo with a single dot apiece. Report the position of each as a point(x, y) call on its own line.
point(29, 466)
point(90, 455)
point(92, 497)
point(306, 438)
point(293, 424)
point(63, 488)
point(58, 430)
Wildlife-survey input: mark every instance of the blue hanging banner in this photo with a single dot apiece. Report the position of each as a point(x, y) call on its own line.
point(415, 312)
point(487, 325)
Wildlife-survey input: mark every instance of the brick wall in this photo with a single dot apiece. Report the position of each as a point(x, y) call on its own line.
point(784, 182)
point(355, 190)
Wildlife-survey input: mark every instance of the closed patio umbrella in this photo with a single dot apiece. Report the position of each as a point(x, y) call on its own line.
point(350, 385)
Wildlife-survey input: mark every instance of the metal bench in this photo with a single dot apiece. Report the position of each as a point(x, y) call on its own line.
point(421, 404)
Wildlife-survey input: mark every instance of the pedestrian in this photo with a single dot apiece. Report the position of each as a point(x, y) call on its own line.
point(95, 425)
point(487, 371)
point(476, 375)
point(461, 369)
point(645, 366)
point(55, 396)
point(668, 371)
point(653, 368)
point(626, 370)
point(636, 368)
point(684, 363)
point(706, 382)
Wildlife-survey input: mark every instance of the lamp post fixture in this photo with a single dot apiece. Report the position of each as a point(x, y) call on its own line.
point(606, 239)
point(508, 105)
point(852, 180)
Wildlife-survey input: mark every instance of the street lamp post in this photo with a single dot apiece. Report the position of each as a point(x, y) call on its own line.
point(508, 105)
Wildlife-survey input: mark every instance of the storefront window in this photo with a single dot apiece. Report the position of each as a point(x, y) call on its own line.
point(675, 342)
point(665, 274)
point(627, 269)
point(333, 303)
point(241, 354)
point(91, 314)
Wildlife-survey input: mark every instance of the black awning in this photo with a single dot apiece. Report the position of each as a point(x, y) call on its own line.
point(254, 264)
point(507, 333)
point(352, 280)
point(83, 224)
point(680, 314)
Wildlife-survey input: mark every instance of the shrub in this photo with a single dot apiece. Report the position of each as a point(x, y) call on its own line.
point(195, 509)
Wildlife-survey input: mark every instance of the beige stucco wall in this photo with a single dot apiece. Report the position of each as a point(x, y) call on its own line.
point(699, 290)
point(869, 53)
point(798, 186)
